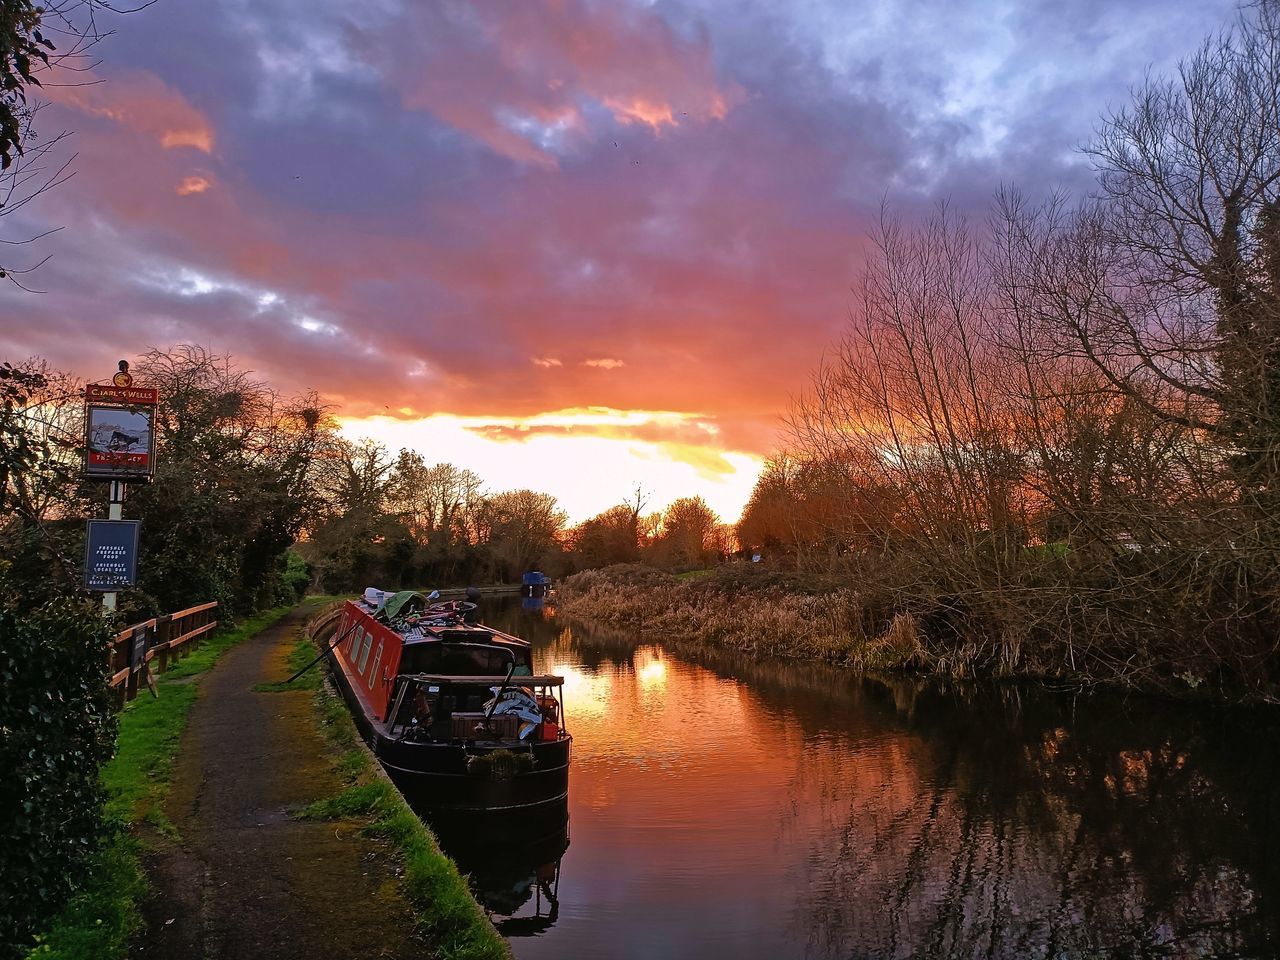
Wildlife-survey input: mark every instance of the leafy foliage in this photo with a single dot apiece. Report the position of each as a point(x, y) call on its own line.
point(234, 484)
point(56, 729)
point(23, 49)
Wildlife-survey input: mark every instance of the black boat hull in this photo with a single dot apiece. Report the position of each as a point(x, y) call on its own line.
point(433, 790)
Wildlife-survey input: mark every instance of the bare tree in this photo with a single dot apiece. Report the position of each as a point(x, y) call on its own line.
point(521, 527)
point(1168, 283)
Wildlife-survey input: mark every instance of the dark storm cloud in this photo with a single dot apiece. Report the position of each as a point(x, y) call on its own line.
point(405, 205)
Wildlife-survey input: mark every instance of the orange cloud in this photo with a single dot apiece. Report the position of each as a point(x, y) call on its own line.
point(604, 363)
point(638, 110)
point(190, 185)
point(525, 79)
point(143, 103)
point(658, 427)
point(200, 139)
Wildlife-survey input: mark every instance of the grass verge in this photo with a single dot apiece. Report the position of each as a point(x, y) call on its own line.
point(449, 914)
point(101, 919)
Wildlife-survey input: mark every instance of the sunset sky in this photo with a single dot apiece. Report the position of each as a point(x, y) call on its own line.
point(575, 246)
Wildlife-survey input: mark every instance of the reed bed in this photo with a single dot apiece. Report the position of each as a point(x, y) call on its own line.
point(758, 615)
point(1044, 624)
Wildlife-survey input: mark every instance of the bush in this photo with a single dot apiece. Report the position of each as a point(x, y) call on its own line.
point(57, 728)
point(297, 576)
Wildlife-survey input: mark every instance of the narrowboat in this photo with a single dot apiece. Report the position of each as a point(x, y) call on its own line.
point(451, 708)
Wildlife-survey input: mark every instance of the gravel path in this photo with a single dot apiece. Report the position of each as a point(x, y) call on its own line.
point(244, 879)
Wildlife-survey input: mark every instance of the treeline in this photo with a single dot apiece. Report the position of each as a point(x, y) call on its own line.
point(1053, 439)
point(258, 498)
point(396, 521)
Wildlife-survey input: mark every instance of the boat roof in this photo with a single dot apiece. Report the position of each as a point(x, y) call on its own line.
point(446, 679)
point(451, 629)
point(462, 633)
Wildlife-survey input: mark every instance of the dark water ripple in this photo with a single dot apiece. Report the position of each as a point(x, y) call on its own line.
point(782, 810)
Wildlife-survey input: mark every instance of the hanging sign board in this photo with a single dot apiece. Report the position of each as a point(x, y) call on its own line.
point(138, 645)
point(111, 555)
point(119, 442)
point(110, 393)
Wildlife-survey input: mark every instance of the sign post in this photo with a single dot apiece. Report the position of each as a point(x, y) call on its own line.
point(119, 446)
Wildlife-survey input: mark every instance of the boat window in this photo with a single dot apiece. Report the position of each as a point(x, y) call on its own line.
point(364, 651)
point(459, 660)
point(377, 658)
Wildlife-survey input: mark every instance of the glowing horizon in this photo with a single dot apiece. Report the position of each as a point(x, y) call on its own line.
point(589, 459)
point(571, 245)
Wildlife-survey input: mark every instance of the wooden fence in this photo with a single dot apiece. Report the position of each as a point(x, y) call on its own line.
point(144, 649)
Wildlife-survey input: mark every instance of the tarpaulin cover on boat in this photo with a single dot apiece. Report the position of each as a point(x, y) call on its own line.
point(393, 606)
point(517, 701)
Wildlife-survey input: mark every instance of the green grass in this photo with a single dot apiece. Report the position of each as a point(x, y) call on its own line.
point(302, 654)
point(101, 919)
point(448, 912)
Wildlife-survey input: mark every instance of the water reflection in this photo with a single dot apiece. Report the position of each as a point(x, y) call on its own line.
point(513, 863)
point(789, 810)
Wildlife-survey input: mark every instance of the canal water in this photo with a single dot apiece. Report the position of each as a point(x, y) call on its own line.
point(778, 810)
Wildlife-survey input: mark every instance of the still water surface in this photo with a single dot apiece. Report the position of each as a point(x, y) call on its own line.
point(721, 809)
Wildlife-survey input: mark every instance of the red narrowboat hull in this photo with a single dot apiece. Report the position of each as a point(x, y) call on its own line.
point(436, 775)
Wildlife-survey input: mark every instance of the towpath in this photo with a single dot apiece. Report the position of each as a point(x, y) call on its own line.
point(244, 879)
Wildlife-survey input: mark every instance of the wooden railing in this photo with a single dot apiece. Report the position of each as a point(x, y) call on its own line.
point(144, 649)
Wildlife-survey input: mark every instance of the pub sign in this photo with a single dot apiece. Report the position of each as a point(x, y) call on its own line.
point(111, 555)
point(119, 439)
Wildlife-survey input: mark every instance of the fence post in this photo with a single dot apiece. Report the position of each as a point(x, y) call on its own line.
point(163, 634)
point(122, 690)
point(131, 684)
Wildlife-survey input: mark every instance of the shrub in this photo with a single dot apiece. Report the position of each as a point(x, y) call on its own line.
point(297, 576)
point(57, 728)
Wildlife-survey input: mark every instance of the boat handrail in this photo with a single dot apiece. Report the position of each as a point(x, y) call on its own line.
point(407, 681)
point(542, 680)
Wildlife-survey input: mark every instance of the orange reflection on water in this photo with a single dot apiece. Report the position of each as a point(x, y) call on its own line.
point(768, 811)
point(651, 669)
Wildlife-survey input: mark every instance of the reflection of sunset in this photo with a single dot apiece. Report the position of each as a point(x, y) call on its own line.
point(651, 669)
point(585, 695)
point(778, 809)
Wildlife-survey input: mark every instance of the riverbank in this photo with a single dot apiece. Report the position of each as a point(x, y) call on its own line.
point(228, 840)
point(447, 912)
point(763, 612)
point(750, 611)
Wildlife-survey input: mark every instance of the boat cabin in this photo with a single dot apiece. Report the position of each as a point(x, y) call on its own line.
point(422, 672)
